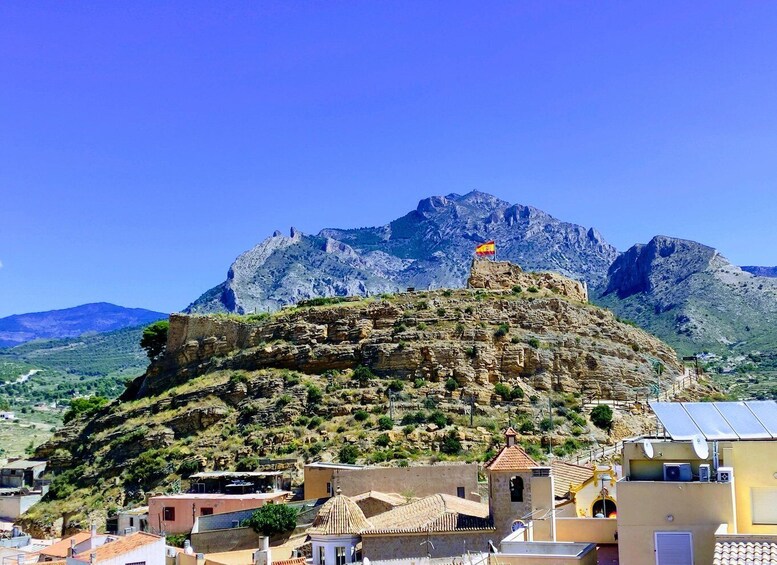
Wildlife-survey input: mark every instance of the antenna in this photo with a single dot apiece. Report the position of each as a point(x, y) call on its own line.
point(647, 448)
point(700, 447)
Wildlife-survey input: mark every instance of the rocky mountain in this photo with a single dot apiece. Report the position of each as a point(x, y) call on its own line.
point(761, 271)
point(72, 322)
point(430, 247)
point(230, 391)
point(690, 295)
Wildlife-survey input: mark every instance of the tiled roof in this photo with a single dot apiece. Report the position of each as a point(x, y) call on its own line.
point(435, 513)
point(119, 547)
point(511, 458)
point(61, 548)
point(339, 515)
point(565, 474)
point(388, 498)
point(745, 552)
point(295, 561)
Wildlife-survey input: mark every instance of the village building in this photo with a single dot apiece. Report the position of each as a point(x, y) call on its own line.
point(414, 481)
point(21, 486)
point(336, 531)
point(707, 492)
point(176, 513)
point(134, 549)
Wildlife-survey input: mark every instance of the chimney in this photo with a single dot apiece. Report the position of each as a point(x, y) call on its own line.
point(93, 530)
point(72, 549)
point(510, 435)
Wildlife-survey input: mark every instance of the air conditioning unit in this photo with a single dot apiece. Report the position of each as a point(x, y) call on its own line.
point(704, 473)
point(678, 472)
point(725, 474)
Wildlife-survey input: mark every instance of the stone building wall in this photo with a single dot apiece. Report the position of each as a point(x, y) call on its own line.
point(503, 511)
point(408, 546)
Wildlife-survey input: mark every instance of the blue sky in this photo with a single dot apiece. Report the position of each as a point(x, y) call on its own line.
point(144, 145)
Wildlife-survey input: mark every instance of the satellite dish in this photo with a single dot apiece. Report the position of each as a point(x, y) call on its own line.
point(700, 447)
point(647, 447)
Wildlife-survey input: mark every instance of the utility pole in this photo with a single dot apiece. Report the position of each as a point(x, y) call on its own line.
point(550, 434)
point(471, 409)
point(391, 404)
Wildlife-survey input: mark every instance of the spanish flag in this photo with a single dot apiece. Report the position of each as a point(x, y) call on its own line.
point(487, 248)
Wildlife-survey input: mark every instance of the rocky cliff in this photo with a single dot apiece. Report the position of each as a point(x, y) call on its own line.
point(430, 247)
point(306, 381)
point(691, 295)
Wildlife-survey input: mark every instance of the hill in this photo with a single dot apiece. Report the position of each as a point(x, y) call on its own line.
point(72, 322)
point(761, 271)
point(690, 295)
point(430, 247)
point(307, 381)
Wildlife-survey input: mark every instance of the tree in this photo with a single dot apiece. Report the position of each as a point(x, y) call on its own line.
point(87, 406)
point(451, 445)
point(154, 338)
point(348, 454)
point(601, 416)
point(272, 519)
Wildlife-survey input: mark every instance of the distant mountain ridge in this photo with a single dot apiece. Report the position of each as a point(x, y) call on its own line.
point(430, 247)
point(686, 293)
point(761, 271)
point(691, 295)
point(72, 322)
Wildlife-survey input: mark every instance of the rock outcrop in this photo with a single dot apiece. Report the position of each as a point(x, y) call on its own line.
point(495, 275)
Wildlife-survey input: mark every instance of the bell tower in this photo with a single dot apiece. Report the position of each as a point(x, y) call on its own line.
point(509, 485)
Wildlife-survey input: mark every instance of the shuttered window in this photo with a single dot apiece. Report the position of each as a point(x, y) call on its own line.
point(764, 501)
point(674, 548)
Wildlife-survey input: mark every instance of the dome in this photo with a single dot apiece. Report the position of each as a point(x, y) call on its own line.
point(339, 516)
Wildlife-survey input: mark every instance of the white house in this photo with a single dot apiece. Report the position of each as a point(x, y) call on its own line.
point(138, 548)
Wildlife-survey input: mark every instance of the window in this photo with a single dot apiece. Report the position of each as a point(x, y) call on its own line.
point(764, 500)
point(516, 489)
point(168, 514)
point(321, 555)
point(674, 548)
point(329, 488)
point(339, 555)
point(206, 511)
point(460, 492)
point(131, 522)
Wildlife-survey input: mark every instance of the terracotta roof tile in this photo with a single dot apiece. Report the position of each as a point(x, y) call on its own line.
point(339, 515)
point(565, 474)
point(751, 551)
point(511, 458)
point(295, 561)
point(61, 548)
point(435, 513)
point(119, 547)
point(388, 498)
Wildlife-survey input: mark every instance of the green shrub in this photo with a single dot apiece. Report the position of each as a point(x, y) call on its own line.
point(148, 468)
point(533, 289)
point(546, 424)
point(429, 403)
point(314, 394)
point(421, 326)
point(516, 393)
point(250, 463)
point(348, 454)
point(438, 419)
point(239, 377)
point(84, 406)
point(385, 423)
point(315, 422)
point(302, 421)
point(534, 342)
point(576, 419)
point(451, 445)
point(408, 429)
point(413, 418)
point(283, 400)
point(396, 386)
point(272, 519)
point(451, 384)
point(399, 328)
point(361, 415)
point(421, 305)
point(441, 312)
point(383, 440)
point(363, 375)
point(447, 292)
point(502, 390)
point(526, 426)
point(601, 416)
point(468, 310)
point(502, 331)
point(418, 383)
point(189, 466)
point(517, 289)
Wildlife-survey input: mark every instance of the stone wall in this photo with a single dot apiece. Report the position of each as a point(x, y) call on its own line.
point(409, 546)
point(415, 481)
point(502, 275)
point(503, 511)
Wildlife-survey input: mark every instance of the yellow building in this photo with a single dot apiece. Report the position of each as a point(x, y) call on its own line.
point(715, 474)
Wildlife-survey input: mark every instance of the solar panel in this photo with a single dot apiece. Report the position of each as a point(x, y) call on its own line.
point(766, 412)
point(744, 422)
point(717, 421)
point(676, 420)
point(712, 424)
